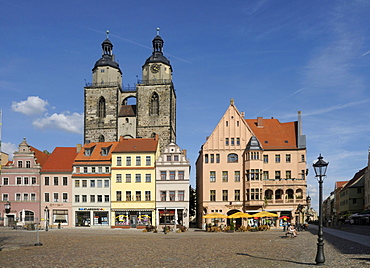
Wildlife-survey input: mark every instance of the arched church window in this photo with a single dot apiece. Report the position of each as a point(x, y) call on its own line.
point(153, 135)
point(101, 107)
point(101, 138)
point(154, 104)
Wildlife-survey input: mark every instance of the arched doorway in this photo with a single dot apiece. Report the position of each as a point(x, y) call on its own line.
point(237, 222)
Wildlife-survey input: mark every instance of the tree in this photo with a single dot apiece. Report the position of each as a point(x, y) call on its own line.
point(192, 201)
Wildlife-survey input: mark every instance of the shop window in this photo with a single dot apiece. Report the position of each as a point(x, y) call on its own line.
point(60, 216)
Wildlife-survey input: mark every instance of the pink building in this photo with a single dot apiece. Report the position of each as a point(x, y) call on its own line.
point(56, 187)
point(20, 186)
point(251, 165)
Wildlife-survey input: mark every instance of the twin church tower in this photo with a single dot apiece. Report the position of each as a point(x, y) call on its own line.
point(112, 111)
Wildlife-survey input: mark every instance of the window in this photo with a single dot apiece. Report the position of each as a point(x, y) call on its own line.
point(232, 158)
point(237, 195)
point(128, 160)
point(65, 197)
point(277, 158)
point(138, 195)
point(128, 178)
point(106, 169)
point(84, 198)
point(227, 123)
point(106, 198)
point(181, 175)
point(99, 183)
point(288, 174)
point(84, 183)
point(100, 198)
point(19, 180)
point(92, 183)
point(212, 158)
point(224, 195)
point(118, 196)
point(5, 197)
point(101, 108)
point(181, 195)
point(100, 170)
point(17, 197)
point(85, 169)
point(148, 178)
point(46, 197)
point(176, 158)
point(227, 141)
point(232, 142)
point(106, 183)
point(118, 178)
point(25, 197)
point(20, 164)
point(25, 180)
point(265, 158)
point(148, 160)
point(217, 158)
point(225, 176)
point(172, 175)
point(56, 181)
point(77, 198)
point(92, 198)
point(28, 164)
point(277, 175)
point(238, 140)
point(236, 176)
point(5, 181)
point(104, 151)
point(163, 195)
point(128, 195)
point(169, 158)
point(138, 178)
point(212, 176)
point(119, 161)
point(265, 175)
point(172, 195)
point(56, 197)
point(302, 158)
point(65, 181)
point(138, 161)
point(212, 195)
point(287, 158)
point(33, 180)
point(154, 104)
point(163, 175)
point(77, 183)
point(206, 158)
point(87, 151)
point(147, 196)
point(93, 170)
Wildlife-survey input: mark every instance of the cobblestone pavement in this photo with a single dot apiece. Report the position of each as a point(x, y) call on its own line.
point(79, 247)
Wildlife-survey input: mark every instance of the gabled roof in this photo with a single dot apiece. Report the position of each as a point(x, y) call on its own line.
point(60, 160)
point(273, 134)
point(355, 178)
point(41, 157)
point(96, 154)
point(340, 184)
point(137, 145)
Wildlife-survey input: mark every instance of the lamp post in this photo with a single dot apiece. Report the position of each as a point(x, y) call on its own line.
point(165, 220)
point(46, 210)
point(320, 167)
point(308, 201)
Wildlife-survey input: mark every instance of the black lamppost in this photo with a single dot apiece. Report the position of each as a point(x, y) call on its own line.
point(320, 167)
point(46, 210)
point(308, 201)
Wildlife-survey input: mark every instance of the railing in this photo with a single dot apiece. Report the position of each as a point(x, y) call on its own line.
point(155, 82)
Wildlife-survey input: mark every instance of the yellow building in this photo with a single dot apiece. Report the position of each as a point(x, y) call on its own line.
point(133, 183)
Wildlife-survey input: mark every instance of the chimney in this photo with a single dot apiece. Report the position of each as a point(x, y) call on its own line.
point(243, 115)
point(78, 148)
point(184, 152)
point(260, 122)
point(232, 102)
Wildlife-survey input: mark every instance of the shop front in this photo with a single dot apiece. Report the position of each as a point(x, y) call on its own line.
point(170, 216)
point(86, 217)
point(132, 218)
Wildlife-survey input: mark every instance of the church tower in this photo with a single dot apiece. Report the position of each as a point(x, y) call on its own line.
point(156, 98)
point(102, 98)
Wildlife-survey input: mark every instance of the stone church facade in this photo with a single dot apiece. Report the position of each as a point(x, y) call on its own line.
point(108, 114)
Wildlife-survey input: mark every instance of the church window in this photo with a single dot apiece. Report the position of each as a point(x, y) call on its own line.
point(154, 104)
point(101, 107)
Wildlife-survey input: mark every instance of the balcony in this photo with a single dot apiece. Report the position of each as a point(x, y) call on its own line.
point(155, 82)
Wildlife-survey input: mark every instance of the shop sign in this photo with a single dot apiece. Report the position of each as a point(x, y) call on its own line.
point(91, 208)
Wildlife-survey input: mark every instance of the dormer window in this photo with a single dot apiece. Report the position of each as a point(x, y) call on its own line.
point(105, 151)
point(88, 151)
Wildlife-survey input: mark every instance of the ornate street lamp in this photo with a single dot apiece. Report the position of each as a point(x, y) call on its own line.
point(7, 207)
point(320, 167)
point(46, 210)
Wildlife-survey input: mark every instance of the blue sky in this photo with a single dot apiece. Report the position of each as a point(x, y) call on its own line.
point(274, 58)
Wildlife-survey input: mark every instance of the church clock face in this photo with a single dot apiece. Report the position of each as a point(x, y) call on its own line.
point(155, 68)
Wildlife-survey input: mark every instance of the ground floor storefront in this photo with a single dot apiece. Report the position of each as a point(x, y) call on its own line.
point(87, 217)
point(171, 216)
point(132, 218)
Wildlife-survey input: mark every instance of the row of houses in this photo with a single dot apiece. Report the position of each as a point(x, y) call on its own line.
point(350, 200)
point(123, 184)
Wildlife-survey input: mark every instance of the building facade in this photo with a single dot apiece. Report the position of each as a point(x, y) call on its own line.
point(20, 186)
point(146, 110)
point(252, 164)
point(133, 183)
point(172, 191)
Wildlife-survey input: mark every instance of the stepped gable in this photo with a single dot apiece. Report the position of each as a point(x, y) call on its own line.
point(41, 157)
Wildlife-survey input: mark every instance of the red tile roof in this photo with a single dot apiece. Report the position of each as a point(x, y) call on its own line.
point(273, 134)
point(41, 157)
point(137, 145)
point(96, 155)
point(60, 160)
point(340, 184)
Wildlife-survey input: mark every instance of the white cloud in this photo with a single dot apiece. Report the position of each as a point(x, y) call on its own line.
point(67, 122)
point(9, 148)
point(32, 106)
